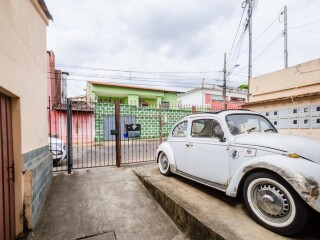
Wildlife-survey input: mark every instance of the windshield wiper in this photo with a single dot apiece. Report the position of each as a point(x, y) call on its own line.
point(250, 129)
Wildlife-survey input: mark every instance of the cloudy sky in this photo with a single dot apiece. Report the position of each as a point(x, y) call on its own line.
point(176, 44)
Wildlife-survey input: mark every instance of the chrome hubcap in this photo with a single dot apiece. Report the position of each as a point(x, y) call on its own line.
point(271, 201)
point(164, 162)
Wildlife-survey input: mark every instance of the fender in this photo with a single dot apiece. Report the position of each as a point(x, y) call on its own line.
point(296, 171)
point(166, 148)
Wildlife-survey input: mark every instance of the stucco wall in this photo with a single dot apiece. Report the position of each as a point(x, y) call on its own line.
point(23, 78)
point(23, 67)
point(199, 96)
point(296, 80)
point(194, 98)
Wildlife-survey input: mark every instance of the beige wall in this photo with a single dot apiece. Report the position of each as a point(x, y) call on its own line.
point(311, 133)
point(296, 80)
point(23, 77)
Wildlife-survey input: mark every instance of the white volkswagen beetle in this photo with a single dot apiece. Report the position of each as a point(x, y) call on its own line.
point(240, 152)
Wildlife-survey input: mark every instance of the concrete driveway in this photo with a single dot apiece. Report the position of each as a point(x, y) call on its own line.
point(102, 203)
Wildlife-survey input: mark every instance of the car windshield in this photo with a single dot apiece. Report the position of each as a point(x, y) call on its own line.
point(246, 123)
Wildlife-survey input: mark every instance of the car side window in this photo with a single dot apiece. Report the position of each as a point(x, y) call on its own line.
point(180, 130)
point(205, 128)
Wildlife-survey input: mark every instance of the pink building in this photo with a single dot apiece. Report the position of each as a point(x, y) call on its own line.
point(210, 95)
point(82, 113)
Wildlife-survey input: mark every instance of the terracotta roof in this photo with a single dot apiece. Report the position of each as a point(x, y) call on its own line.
point(45, 9)
point(282, 99)
point(131, 87)
point(77, 106)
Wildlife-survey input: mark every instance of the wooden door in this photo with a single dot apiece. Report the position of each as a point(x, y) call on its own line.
point(7, 222)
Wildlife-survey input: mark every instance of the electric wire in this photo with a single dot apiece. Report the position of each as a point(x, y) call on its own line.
point(303, 25)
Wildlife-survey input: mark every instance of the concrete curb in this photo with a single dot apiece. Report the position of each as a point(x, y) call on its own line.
point(187, 222)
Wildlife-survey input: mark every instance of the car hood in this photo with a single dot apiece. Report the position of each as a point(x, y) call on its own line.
point(304, 147)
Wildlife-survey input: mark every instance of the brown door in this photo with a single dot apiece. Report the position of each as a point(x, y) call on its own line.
point(7, 222)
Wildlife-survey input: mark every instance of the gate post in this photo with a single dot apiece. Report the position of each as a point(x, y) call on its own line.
point(118, 133)
point(160, 123)
point(69, 135)
point(193, 109)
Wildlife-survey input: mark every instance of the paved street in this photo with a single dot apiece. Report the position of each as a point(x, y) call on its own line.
point(104, 154)
point(102, 203)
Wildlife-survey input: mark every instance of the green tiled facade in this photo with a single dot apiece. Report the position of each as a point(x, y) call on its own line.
point(147, 117)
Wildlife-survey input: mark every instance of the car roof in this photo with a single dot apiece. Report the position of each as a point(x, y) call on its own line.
point(220, 113)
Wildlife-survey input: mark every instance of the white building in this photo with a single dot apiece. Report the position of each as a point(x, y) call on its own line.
point(211, 95)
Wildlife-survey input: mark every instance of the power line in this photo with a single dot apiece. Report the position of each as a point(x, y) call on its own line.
point(263, 51)
point(132, 71)
point(260, 35)
point(229, 55)
point(303, 25)
point(266, 48)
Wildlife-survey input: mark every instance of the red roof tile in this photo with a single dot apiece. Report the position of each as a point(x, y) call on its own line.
point(131, 87)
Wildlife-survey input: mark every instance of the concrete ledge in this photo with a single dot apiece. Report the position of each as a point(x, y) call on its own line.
point(204, 213)
point(185, 220)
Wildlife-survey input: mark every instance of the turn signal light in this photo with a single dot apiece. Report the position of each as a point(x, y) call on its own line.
point(293, 155)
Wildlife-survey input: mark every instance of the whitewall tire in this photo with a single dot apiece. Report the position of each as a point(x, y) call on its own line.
point(274, 204)
point(164, 165)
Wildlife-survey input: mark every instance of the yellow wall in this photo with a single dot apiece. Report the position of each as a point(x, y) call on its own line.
point(23, 77)
point(296, 80)
point(287, 83)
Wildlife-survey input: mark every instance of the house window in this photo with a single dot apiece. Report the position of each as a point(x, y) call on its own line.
point(216, 98)
point(143, 104)
point(165, 105)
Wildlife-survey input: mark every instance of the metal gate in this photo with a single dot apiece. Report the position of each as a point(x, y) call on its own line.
point(7, 221)
point(85, 134)
point(89, 142)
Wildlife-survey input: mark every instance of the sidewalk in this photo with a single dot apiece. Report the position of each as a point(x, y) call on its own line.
point(204, 213)
point(102, 203)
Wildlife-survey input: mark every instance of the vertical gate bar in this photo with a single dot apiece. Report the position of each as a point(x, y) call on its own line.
point(118, 135)
point(193, 109)
point(92, 136)
point(10, 169)
point(2, 181)
point(160, 123)
point(4, 146)
point(69, 133)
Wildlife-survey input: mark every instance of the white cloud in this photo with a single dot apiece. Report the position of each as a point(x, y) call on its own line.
point(176, 35)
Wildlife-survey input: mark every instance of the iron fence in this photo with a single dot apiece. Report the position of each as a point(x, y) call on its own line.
point(93, 132)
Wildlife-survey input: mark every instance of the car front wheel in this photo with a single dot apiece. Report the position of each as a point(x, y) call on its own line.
point(274, 204)
point(164, 165)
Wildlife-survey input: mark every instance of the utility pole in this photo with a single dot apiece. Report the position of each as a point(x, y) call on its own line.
point(285, 34)
point(250, 45)
point(224, 93)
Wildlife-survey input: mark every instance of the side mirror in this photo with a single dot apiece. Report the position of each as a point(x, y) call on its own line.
point(221, 137)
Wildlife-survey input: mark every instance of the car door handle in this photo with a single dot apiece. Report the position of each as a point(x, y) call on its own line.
point(189, 145)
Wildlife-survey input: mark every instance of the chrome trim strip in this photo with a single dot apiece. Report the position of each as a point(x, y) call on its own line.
point(202, 181)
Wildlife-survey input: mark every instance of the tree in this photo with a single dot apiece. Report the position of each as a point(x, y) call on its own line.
point(244, 86)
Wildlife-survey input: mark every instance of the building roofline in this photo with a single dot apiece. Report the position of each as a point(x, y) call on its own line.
point(130, 87)
point(45, 9)
point(206, 88)
point(286, 69)
point(282, 99)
